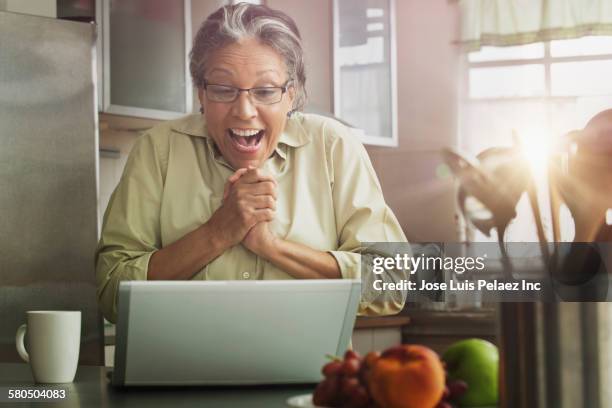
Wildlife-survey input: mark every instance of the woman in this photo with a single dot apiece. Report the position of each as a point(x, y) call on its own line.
point(250, 189)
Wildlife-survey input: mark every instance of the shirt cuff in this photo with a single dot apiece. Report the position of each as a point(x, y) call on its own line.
point(349, 262)
point(111, 270)
point(350, 268)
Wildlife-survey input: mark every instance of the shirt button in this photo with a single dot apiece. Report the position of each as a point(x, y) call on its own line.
point(246, 275)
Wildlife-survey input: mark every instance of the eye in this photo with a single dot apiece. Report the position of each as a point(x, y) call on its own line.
point(266, 95)
point(222, 90)
point(264, 92)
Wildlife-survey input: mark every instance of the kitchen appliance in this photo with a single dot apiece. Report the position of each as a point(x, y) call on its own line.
point(48, 175)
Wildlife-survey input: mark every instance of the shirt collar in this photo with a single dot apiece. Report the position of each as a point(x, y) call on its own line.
point(294, 134)
point(192, 125)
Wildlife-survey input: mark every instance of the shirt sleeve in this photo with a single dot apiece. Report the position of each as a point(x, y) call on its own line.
point(362, 216)
point(131, 226)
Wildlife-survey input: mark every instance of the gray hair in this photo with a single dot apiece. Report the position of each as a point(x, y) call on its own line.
point(271, 27)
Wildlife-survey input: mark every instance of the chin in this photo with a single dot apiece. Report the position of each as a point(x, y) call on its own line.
point(246, 163)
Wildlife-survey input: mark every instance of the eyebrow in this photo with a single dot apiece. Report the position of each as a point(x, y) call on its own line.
point(266, 71)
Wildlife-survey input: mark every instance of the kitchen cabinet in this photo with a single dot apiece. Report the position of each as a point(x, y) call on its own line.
point(43, 8)
point(143, 67)
point(378, 333)
point(439, 329)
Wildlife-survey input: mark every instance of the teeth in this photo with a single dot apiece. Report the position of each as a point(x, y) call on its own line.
point(245, 132)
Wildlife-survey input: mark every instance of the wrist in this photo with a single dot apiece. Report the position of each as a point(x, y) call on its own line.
point(213, 238)
point(269, 248)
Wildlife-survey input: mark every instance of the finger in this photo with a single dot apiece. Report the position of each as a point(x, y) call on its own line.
point(254, 189)
point(231, 180)
point(226, 189)
point(264, 201)
point(266, 215)
point(237, 174)
point(261, 188)
point(254, 175)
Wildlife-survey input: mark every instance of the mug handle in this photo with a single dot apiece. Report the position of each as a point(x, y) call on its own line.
point(19, 342)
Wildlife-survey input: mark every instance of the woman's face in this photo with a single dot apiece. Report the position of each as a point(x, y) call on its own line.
point(246, 64)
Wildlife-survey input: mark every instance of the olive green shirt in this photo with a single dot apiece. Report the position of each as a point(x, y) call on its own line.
point(329, 199)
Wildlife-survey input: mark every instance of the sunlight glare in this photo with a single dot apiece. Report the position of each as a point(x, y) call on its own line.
point(536, 146)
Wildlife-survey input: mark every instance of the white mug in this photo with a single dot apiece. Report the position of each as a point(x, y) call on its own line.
point(54, 341)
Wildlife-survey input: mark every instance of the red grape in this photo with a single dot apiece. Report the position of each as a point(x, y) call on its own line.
point(323, 394)
point(359, 398)
point(327, 393)
point(457, 388)
point(351, 354)
point(345, 383)
point(371, 358)
point(332, 368)
point(351, 366)
point(348, 385)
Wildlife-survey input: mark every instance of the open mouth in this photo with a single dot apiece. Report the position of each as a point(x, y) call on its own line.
point(246, 140)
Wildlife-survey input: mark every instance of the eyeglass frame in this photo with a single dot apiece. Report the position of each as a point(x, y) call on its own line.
point(283, 89)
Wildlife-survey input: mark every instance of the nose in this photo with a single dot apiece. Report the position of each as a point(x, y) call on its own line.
point(243, 108)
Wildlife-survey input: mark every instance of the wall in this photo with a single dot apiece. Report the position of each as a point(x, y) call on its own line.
point(314, 20)
point(428, 64)
point(117, 133)
point(427, 106)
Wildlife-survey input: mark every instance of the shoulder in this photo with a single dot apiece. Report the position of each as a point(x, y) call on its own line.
point(154, 145)
point(165, 133)
point(190, 125)
point(338, 144)
point(330, 133)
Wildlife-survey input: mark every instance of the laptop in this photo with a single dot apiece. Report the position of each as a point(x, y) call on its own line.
point(231, 332)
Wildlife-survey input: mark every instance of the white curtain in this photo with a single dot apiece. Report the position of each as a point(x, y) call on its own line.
point(515, 22)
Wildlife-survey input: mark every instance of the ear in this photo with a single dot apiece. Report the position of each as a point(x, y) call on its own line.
point(201, 96)
point(291, 93)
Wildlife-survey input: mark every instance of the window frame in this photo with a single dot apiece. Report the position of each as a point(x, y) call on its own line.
point(375, 140)
point(546, 61)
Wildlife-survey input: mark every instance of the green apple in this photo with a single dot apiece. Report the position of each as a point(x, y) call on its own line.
point(476, 362)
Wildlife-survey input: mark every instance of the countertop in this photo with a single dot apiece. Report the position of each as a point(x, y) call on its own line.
point(381, 322)
point(92, 389)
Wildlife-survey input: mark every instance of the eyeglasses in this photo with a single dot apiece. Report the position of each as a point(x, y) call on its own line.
point(264, 95)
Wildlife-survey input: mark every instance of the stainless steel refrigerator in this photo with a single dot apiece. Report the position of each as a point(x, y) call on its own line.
point(48, 175)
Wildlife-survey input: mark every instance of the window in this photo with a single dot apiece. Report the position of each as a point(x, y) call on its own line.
point(540, 92)
point(364, 69)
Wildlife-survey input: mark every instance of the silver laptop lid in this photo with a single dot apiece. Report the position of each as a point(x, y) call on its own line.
point(231, 332)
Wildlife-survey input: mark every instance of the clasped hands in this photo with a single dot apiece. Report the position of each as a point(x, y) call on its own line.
point(249, 204)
